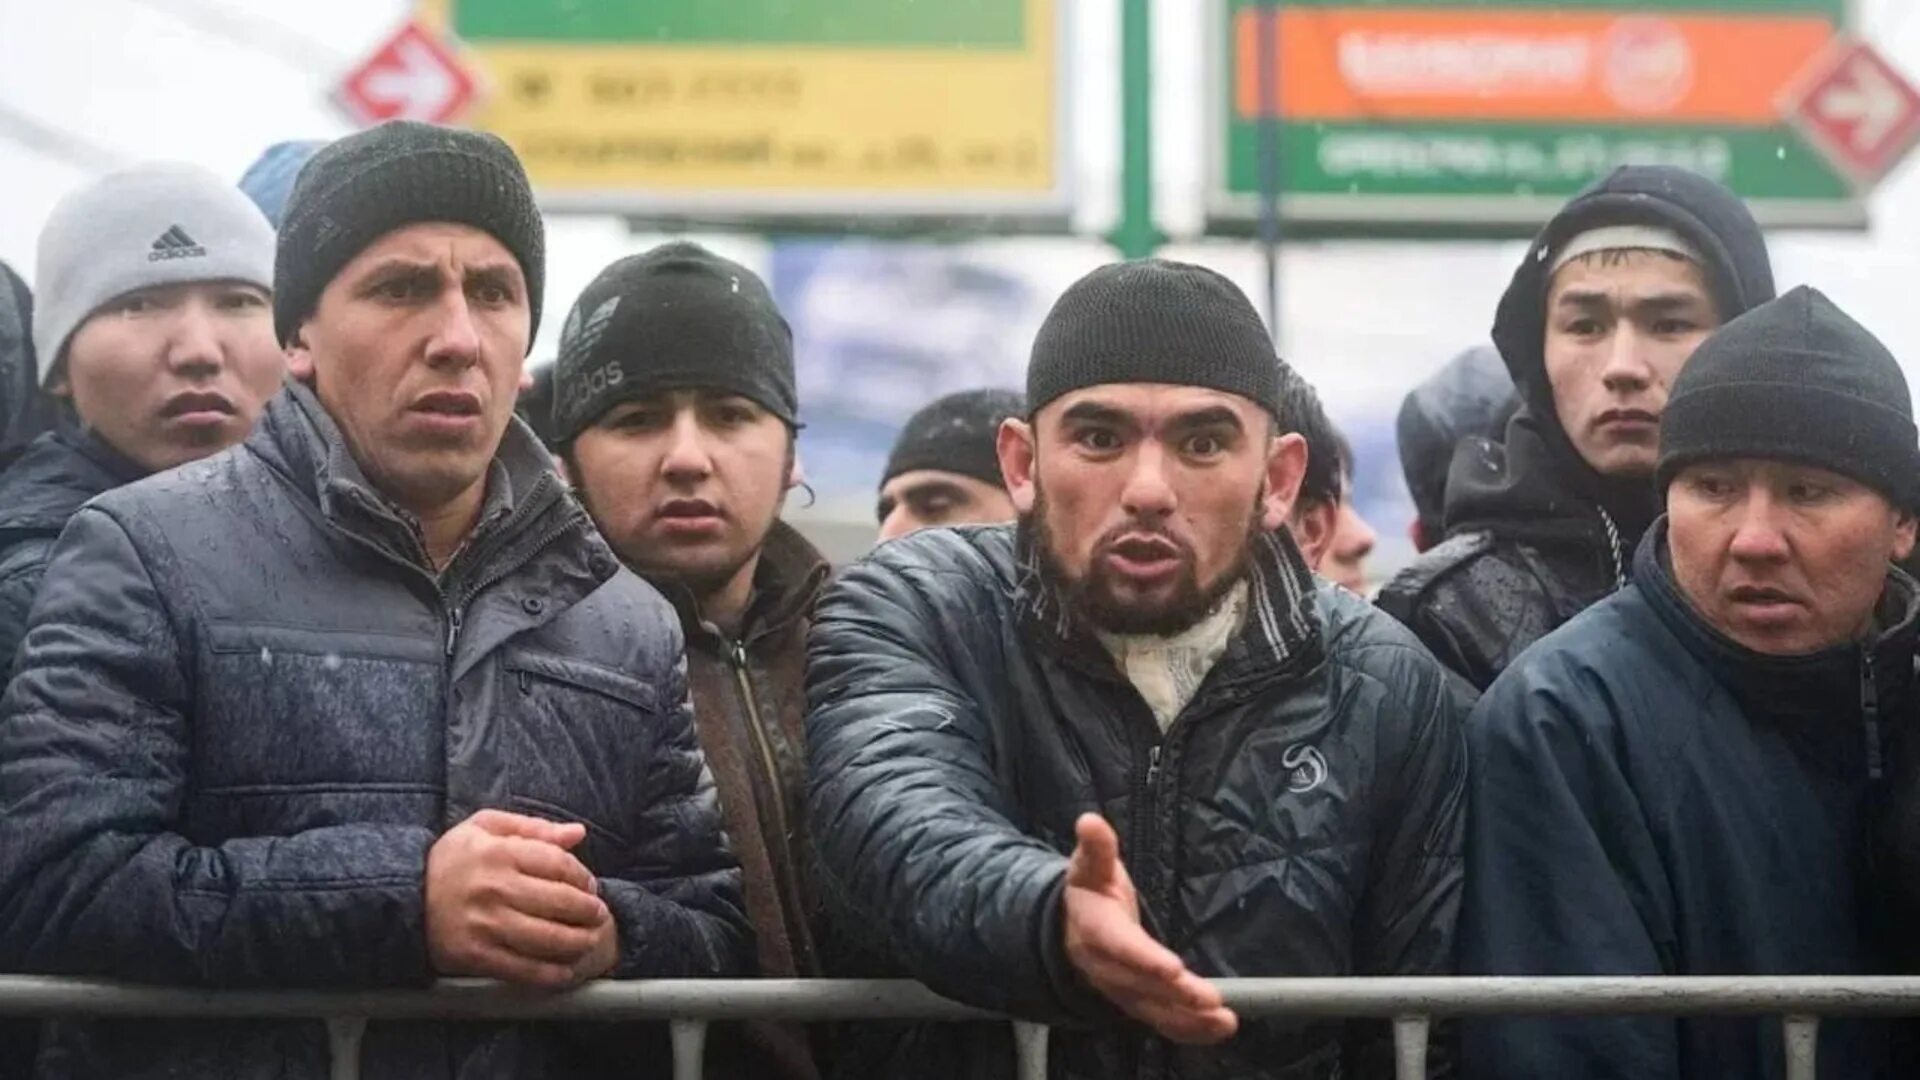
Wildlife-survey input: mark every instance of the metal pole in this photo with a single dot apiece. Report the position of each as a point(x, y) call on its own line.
point(1029, 1050)
point(1136, 237)
point(1803, 1046)
point(344, 1034)
point(689, 1047)
point(1267, 77)
point(1410, 1047)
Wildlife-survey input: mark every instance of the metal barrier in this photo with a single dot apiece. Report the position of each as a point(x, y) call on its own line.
point(689, 1005)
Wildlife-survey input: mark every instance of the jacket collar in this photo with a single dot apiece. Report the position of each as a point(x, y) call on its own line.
point(786, 582)
point(1819, 686)
point(298, 437)
point(1282, 628)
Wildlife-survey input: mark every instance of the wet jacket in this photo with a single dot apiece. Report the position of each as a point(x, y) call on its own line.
point(25, 412)
point(1534, 535)
point(749, 705)
point(1651, 798)
point(38, 493)
point(245, 711)
point(1301, 816)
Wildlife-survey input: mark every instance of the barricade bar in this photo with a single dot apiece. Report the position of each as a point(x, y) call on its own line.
point(874, 999)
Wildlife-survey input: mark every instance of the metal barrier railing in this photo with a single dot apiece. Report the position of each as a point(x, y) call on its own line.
point(688, 1005)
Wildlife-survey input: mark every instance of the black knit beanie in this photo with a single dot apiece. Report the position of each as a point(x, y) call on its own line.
point(1154, 321)
point(1796, 379)
point(957, 434)
point(678, 317)
point(358, 189)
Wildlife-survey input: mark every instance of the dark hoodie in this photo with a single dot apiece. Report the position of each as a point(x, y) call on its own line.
point(1534, 534)
point(1471, 395)
point(24, 412)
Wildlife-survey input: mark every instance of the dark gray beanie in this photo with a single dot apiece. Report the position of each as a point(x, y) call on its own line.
point(957, 434)
point(1796, 379)
point(358, 189)
point(1154, 321)
point(678, 317)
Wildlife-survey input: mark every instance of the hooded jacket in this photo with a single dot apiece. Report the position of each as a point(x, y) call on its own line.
point(749, 704)
point(39, 493)
point(1300, 816)
point(1651, 798)
point(1534, 534)
point(245, 711)
point(1470, 395)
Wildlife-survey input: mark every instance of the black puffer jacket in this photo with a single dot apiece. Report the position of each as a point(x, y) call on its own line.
point(1534, 535)
point(39, 492)
point(1302, 816)
point(1651, 798)
point(244, 712)
point(25, 412)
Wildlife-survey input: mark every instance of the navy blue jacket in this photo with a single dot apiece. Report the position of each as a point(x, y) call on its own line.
point(244, 712)
point(1650, 798)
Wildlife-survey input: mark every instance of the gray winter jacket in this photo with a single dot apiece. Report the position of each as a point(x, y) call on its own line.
point(244, 712)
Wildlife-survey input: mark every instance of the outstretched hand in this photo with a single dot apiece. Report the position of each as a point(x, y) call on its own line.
point(1111, 949)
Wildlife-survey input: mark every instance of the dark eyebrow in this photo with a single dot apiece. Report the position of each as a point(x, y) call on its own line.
point(499, 275)
point(1211, 416)
point(1092, 412)
point(1664, 302)
point(1583, 298)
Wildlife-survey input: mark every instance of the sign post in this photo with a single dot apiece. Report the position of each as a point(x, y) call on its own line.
point(1484, 117)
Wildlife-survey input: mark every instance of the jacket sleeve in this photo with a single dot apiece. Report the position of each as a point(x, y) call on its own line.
point(20, 574)
point(682, 916)
point(1411, 911)
point(95, 876)
point(916, 835)
point(1563, 878)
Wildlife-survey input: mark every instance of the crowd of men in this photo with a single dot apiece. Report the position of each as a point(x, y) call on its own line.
point(329, 670)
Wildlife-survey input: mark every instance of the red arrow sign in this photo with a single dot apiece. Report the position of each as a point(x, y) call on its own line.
point(1857, 109)
point(411, 76)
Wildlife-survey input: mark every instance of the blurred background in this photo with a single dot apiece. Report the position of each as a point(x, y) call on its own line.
point(918, 179)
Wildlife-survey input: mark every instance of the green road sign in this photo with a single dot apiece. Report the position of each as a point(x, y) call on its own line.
point(1424, 114)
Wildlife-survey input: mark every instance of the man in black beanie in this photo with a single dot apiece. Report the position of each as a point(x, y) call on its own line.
point(1071, 768)
point(364, 700)
point(944, 469)
point(675, 411)
point(1606, 306)
point(1685, 779)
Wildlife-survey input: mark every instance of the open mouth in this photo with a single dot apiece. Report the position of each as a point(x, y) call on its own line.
point(1761, 596)
point(1144, 556)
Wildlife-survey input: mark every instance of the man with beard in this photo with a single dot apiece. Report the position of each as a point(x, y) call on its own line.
point(1609, 301)
point(675, 410)
point(1070, 769)
point(1686, 778)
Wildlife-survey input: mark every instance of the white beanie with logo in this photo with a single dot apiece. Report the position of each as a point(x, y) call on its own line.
point(159, 224)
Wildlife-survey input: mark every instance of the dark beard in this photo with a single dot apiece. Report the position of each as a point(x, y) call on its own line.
point(1093, 598)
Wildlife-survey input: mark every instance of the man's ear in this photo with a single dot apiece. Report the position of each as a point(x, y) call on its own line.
point(1014, 445)
point(299, 357)
point(1286, 467)
point(1313, 524)
point(1903, 535)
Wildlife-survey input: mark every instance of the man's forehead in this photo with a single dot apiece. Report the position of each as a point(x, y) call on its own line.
point(1627, 275)
point(435, 242)
point(1149, 404)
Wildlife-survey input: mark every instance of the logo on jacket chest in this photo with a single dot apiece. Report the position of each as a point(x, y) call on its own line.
point(1307, 768)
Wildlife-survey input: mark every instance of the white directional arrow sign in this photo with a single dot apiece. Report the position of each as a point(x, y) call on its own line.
point(421, 88)
point(1857, 109)
point(412, 76)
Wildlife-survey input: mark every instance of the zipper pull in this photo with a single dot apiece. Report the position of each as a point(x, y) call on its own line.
point(737, 653)
point(453, 629)
point(1153, 765)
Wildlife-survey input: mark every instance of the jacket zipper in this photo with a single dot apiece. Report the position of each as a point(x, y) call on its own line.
point(737, 659)
point(456, 608)
point(1870, 713)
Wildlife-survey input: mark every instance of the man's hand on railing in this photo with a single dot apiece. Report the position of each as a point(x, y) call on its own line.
point(1116, 955)
point(506, 900)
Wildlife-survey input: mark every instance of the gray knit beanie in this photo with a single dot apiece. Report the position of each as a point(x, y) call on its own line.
point(158, 224)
